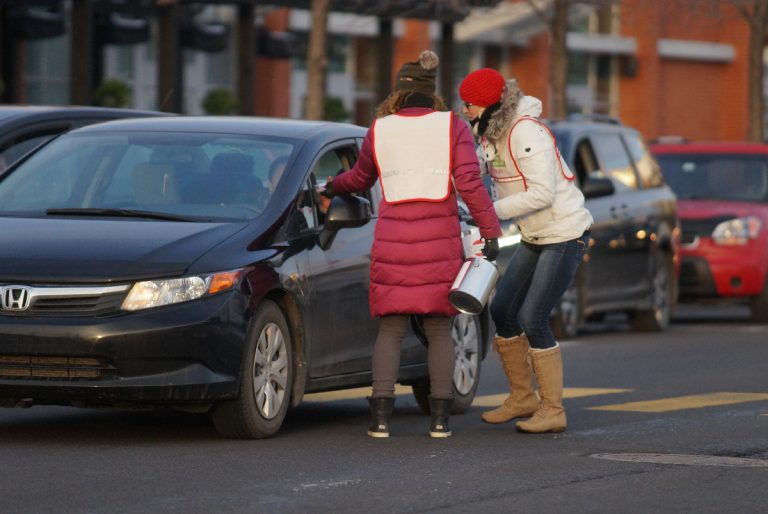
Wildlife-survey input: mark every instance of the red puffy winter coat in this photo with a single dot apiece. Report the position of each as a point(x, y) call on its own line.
point(417, 249)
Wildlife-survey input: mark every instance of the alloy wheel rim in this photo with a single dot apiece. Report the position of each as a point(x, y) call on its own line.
point(270, 371)
point(465, 342)
point(569, 308)
point(660, 293)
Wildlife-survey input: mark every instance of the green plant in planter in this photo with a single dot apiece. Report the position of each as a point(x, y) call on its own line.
point(112, 93)
point(334, 109)
point(219, 101)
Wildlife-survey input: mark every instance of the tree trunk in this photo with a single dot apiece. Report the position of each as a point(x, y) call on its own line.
point(756, 102)
point(559, 59)
point(317, 61)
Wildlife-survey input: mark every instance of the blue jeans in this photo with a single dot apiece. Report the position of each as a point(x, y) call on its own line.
point(535, 280)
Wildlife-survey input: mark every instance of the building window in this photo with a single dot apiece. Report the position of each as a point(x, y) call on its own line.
point(48, 71)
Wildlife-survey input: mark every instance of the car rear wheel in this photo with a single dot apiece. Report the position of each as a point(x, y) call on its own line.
point(759, 305)
point(657, 316)
point(467, 335)
point(266, 376)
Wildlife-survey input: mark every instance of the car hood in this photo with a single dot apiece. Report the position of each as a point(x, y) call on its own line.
point(698, 209)
point(61, 250)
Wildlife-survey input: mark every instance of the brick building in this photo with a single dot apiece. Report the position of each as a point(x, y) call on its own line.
point(635, 61)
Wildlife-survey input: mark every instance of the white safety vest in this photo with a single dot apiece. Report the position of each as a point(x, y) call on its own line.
point(413, 156)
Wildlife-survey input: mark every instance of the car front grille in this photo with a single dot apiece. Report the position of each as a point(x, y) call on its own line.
point(54, 367)
point(61, 300)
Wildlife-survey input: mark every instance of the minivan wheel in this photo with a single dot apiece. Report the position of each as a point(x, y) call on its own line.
point(657, 316)
point(467, 335)
point(266, 376)
point(564, 321)
point(759, 305)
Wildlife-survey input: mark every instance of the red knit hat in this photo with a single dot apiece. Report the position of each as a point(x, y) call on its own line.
point(482, 87)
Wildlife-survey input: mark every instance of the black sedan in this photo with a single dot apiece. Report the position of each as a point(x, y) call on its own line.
point(188, 262)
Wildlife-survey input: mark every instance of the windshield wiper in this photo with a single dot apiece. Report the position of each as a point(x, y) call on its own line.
point(123, 213)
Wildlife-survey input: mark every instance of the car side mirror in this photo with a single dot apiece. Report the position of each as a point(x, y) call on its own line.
point(344, 212)
point(597, 187)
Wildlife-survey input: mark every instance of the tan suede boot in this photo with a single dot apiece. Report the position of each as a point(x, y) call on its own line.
point(522, 400)
point(550, 417)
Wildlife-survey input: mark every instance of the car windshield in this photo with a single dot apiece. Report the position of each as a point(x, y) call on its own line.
point(164, 175)
point(734, 177)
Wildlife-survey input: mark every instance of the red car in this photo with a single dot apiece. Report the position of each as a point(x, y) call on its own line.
point(722, 191)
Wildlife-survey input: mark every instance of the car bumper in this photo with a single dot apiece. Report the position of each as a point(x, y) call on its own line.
point(706, 277)
point(181, 354)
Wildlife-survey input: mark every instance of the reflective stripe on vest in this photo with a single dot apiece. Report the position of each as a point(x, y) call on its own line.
point(413, 156)
point(554, 143)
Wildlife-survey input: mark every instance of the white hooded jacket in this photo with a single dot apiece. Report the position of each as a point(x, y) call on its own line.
point(532, 183)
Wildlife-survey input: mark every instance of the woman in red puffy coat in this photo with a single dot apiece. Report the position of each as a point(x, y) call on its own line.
point(422, 155)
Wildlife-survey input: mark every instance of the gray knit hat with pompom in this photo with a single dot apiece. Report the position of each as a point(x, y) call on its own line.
point(420, 75)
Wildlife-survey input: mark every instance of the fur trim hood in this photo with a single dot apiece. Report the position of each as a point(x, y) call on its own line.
point(513, 105)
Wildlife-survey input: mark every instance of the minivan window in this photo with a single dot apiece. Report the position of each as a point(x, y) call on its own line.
point(646, 165)
point(614, 160)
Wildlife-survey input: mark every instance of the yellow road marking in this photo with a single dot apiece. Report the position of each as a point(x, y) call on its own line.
point(696, 401)
point(580, 392)
point(494, 400)
point(480, 401)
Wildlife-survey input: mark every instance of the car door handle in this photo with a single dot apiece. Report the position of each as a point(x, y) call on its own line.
point(618, 210)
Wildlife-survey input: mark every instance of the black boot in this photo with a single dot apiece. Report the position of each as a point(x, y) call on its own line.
point(381, 409)
point(440, 410)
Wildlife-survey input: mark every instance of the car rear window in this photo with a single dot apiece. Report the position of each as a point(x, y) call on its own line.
point(717, 176)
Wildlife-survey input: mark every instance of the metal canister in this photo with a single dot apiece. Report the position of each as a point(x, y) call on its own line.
point(473, 285)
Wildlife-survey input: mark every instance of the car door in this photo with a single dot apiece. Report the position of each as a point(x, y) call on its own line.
point(624, 269)
point(343, 331)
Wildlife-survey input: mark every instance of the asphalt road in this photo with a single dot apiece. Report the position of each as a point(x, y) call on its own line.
point(670, 422)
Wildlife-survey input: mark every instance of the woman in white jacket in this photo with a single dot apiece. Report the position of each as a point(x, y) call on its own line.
point(533, 186)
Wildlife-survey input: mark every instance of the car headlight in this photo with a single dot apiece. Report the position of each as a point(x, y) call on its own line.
point(156, 293)
point(737, 231)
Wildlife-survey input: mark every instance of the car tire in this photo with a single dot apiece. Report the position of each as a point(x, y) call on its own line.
point(564, 321)
point(657, 317)
point(266, 376)
point(467, 335)
point(759, 305)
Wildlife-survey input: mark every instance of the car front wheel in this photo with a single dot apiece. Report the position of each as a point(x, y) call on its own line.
point(266, 375)
point(467, 335)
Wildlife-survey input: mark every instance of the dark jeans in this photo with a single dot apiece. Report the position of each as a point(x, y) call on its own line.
point(534, 282)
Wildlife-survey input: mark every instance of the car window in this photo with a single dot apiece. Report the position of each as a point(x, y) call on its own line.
point(584, 162)
point(199, 176)
point(717, 176)
point(647, 167)
point(330, 164)
point(18, 149)
point(614, 160)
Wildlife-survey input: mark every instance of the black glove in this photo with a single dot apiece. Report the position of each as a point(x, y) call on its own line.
point(328, 192)
point(491, 249)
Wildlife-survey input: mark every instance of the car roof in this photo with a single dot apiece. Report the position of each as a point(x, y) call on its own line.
point(713, 147)
point(236, 125)
point(13, 113)
point(587, 126)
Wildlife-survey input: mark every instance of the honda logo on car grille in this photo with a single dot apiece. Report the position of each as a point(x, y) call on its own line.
point(15, 298)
